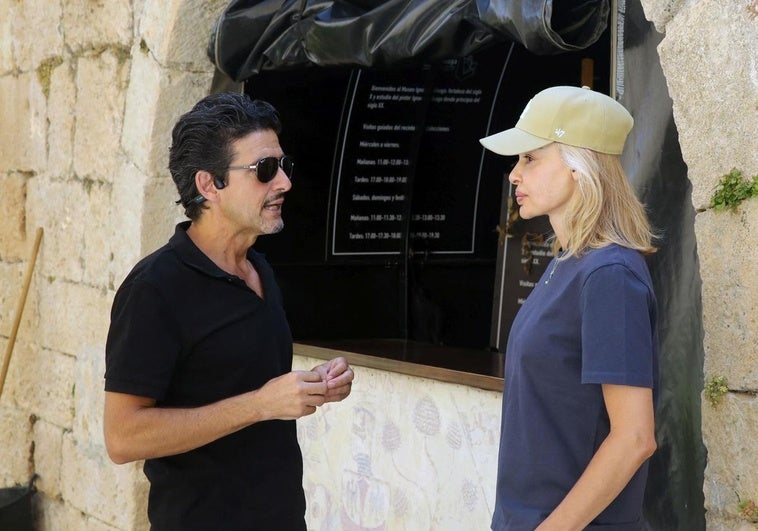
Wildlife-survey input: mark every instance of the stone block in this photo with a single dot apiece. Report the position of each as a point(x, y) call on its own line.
point(89, 399)
point(139, 134)
point(89, 25)
point(23, 111)
point(660, 12)
point(100, 84)
point(728, 254)
point(12, 275)
point(179, 36)
point(7, 37)
point(43, 383)
point(97, 250)
point(73, 317)
point(126, 230)
point(48, 440)
point(711, 79)
point(60, 207)
point(43, 20)
point(161, 214)
point(60, 115)
point(13, 240)
point(10, 298)
point(16, 442)
point(54, 514)
point(114, 494)
point(730, 433)
point(155, 100)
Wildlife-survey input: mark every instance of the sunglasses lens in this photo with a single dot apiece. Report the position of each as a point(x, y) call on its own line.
point(288, 165)
point(266, 169)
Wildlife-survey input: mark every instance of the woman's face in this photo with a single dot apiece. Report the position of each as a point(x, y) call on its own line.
point(544, 184)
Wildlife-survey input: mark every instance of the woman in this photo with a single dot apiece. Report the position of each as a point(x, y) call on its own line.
point(581, 360)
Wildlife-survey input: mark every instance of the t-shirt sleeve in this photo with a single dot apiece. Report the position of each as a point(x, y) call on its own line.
point(617, 334)
point(143, 345)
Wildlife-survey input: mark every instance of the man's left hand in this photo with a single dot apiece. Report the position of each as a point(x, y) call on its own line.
point(338, 377)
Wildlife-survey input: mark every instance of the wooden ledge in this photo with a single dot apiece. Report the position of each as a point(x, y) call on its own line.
point(444, 364)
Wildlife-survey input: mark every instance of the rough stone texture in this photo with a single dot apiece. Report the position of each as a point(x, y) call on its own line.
point(709, 55)
point(16, 442)
point(660, 13)
point(60, 206)
point(43, 383)
point(41, 19)
point(716, 94)
point(7, 37)
point(22, 113)
point(85, 117)
point(61, 117)
point(81, 323)
point(730, 432)
point(171, 35)
point(101, 81)
point(54, 514)
point(730, 294)
point(48, 456)
point(13, 244)
point(87, 471)
point(92, 25)
point(12, 274)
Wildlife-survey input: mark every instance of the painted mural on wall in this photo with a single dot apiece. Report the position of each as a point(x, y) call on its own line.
point(413, 455)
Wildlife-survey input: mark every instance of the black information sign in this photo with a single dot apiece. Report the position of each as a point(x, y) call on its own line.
point(406, 131)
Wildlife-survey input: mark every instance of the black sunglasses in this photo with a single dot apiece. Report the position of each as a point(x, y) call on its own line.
point(267, 167)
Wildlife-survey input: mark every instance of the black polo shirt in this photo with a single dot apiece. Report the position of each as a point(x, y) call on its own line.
point(186, 333)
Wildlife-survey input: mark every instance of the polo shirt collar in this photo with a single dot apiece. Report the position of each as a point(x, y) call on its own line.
point(189, 253)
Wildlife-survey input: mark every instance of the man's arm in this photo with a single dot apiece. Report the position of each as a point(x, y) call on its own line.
point(135, 429)
point(630, 442)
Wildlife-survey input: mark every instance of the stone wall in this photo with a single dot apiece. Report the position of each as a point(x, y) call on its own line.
point(709, 55)
point(88, 91)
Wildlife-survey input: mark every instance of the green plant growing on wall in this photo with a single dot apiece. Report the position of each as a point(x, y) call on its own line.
point(715, 390)
point(733, 189)
point(748, 510)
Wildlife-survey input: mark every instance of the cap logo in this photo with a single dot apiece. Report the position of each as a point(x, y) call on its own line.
point(559, 132)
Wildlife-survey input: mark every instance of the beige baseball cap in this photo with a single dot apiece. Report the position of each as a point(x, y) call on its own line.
point(574, 116)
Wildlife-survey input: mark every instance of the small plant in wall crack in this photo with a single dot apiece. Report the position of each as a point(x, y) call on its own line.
point(733, 189)
point(715, 390)
point(748, 510)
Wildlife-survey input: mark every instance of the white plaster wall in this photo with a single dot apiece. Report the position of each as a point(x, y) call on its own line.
point(401, 453)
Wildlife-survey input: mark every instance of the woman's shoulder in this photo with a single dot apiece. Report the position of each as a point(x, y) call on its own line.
point(614, 255)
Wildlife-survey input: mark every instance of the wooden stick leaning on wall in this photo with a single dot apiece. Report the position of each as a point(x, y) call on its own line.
point(20, 309)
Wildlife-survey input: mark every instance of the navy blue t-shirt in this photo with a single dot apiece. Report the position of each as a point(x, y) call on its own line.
point(589, 321)
point(186, 333)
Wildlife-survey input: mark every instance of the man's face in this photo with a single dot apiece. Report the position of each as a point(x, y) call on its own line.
point(247, 203)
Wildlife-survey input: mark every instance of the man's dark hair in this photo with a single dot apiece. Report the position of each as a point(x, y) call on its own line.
point(202, 140)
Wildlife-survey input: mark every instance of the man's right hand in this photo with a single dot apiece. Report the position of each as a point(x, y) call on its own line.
point(292, 395)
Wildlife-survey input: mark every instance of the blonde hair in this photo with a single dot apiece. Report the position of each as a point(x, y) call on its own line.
point(604, 209)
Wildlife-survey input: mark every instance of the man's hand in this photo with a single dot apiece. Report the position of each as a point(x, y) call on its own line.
point(292, 395)
point(338, 377)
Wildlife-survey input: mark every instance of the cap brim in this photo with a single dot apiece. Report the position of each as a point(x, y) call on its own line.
point(513, 142)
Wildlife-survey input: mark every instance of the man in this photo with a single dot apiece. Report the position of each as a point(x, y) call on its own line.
point(198, 373)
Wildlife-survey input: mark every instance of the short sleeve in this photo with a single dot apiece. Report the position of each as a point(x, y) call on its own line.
point(617, 313)
point(143, 344)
